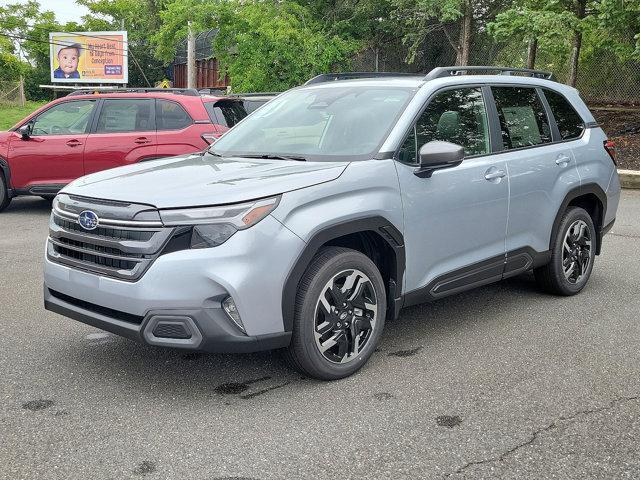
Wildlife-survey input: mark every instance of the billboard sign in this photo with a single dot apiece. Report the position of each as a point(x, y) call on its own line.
point(89, 57)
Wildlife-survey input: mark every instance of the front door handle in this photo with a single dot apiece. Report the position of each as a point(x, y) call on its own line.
point(494, 174)
point(74, 143)
point(562, 159)
point(141, 140)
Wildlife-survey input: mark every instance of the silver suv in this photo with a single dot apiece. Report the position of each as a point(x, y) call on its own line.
point(317, 218)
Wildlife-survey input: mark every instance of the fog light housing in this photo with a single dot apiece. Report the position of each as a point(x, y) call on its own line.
point(231, 310)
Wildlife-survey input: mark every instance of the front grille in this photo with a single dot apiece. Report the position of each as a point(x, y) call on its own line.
point(124, 251)
point(94, 259)
point(116, 233)
point(92, 307)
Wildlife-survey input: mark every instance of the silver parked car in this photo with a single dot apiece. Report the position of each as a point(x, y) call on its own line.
point(317, 218)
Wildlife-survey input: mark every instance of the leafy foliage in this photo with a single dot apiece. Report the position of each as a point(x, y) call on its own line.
point(270, 47)
point(276, 44)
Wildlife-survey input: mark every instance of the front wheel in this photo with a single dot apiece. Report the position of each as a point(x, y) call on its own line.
point(572, 255)
point(339, 314)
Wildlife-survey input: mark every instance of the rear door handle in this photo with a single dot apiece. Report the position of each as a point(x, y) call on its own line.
point(74, 143)
point(562, 159)
point(494, 173)
point(142, 140)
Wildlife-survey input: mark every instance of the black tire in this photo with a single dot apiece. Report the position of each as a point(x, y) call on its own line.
point(304, 353)
point(551, 277)
point(5, 200)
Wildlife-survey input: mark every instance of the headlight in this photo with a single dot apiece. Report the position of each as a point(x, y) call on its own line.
point(212, 226)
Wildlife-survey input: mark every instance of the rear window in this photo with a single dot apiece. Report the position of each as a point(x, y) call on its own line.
point(171, 116)
point(226, 112)
point(523, 121)
point(569, 122)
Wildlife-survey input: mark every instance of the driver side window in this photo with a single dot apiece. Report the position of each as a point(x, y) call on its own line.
point(457, 116)
point(66, 118)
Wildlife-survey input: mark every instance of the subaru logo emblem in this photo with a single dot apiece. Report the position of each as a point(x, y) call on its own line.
point(88, 220)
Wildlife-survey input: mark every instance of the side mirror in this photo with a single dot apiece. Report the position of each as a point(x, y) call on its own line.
point(436, 155)
point(25, 131)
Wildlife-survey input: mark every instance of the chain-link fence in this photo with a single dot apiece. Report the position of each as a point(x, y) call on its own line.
point(12, 92)
point(602, 78)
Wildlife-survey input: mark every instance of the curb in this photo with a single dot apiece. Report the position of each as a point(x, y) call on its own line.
point(629, 178)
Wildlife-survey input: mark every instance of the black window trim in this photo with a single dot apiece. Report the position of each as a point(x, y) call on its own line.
point(155, 111)
point(494, 121)
point(98, 110)
point(87, 129)
point(585, 125)
point(545, 107)
point(426, 104)
point(553, 142)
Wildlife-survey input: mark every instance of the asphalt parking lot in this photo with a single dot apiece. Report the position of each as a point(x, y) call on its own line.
point(501, 382)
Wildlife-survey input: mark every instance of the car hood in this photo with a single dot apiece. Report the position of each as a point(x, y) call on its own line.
point(198, 180)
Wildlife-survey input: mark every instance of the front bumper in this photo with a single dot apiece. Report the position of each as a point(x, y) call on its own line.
point(183, 291)
point(206, 329)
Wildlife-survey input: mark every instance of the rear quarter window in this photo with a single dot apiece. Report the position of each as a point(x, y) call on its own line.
point(225, 112)
point(171, 116)
point(568, 120)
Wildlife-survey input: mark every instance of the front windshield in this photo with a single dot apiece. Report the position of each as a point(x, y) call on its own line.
point(336, 123)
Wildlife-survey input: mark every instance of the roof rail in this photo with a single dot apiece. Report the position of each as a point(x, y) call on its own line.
point(330, 77)
point(254, 94)
point(440, 72)
point(213, 91)
point(191, 92)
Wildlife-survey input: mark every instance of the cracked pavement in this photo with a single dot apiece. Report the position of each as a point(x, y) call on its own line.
point(500, 382)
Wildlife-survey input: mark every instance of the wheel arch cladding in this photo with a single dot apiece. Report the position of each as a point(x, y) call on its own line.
point(375, 237)
point(590, 197)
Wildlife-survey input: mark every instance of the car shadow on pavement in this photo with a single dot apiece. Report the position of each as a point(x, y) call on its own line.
point(27, 205)
point(160, 371)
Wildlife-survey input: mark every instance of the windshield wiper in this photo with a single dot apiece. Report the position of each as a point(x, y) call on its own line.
point(295, 158)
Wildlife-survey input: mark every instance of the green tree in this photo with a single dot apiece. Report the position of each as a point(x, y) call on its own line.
point(267, 46)
point(262, 45)
point(540, 24)
point(612, 25)
point(28, 29)
point(427, 17)
point(365, 21)
point(615, 26)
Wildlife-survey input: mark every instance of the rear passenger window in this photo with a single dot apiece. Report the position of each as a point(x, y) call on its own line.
point(457, 116)
point(125, 115)
point(569, 122)
point(171, 116)
point(225, 112)
point(523, 121)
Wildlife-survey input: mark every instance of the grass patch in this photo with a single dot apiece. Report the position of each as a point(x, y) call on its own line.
point(10, 115)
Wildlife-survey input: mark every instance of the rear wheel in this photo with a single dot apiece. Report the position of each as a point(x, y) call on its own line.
point(5, 200)
point(339, 314)
point(572, 255)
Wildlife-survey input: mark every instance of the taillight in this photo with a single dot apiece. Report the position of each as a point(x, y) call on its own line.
point(211, 137)
point(610, 147)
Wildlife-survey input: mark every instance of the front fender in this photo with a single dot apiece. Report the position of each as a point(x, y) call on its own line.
point(365, 198)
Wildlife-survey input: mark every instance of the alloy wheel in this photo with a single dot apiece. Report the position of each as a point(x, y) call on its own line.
point(345, 316)
point(576, 252)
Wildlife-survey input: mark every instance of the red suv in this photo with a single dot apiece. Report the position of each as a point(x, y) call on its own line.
point(86, 132)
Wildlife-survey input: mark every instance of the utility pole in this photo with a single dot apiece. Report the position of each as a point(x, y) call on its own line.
point(191, 58)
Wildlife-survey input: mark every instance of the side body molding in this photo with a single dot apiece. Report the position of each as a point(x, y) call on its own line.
point(376, 224)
